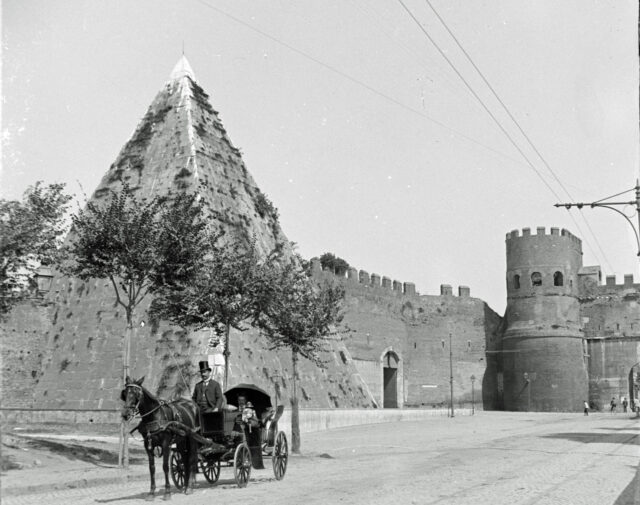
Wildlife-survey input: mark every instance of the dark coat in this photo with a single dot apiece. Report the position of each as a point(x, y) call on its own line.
point(208, 398)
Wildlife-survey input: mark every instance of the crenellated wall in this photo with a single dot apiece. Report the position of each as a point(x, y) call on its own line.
point(611, 322)
point(416, 329)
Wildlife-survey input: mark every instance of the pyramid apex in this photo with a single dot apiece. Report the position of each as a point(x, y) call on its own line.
point(182, 69)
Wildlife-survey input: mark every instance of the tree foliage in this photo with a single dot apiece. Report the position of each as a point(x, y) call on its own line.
point(300, 314)
point(227, 289)
point(140, 245)
point(330, 261)
point(31, 232)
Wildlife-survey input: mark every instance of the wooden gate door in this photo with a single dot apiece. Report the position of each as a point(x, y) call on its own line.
point(390, 376)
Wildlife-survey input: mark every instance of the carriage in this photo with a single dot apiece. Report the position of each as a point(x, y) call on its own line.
point(238, 438)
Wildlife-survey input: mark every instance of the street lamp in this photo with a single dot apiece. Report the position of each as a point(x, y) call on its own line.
point(44, 278)
point(473, 403)
point(528, 379)
point(451, 374)
point(276, 386)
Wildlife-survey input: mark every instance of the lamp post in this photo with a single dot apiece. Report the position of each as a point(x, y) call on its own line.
point(44, 278)
point(451, 374)
point(473, 403)
point(275, 378)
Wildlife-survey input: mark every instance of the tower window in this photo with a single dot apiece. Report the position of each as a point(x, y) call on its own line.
point(558, 279)
point(516, 281)
point(536, 279)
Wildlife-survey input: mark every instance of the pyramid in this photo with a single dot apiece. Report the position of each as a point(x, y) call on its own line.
point(179, 145)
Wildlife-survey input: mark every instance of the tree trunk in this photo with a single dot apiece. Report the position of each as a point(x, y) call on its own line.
point(123, 452)
point(226, 353)
point(295, 411)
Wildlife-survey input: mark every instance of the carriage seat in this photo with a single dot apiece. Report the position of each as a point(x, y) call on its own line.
point(217, 423)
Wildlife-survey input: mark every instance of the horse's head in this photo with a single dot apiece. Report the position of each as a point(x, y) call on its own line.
point(131, 395)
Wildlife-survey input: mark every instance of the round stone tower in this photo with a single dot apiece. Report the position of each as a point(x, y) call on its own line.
point(544, 351)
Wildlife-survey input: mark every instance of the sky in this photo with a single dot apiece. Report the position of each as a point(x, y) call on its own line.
point(351, 120)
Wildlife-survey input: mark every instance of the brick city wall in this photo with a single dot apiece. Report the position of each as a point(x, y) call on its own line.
point(78, 357)
point(611, 317)
point(415, 327)
point(23, 354)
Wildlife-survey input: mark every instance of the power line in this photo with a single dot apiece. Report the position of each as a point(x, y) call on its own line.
point(355, 81)
point(515, 121)
point(442, 53)
point(530, 164)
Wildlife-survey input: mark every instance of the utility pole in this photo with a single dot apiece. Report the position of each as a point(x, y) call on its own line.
point(451, 374)
point(606, 204)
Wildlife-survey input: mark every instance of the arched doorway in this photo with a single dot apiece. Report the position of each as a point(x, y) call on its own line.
point(390, 376)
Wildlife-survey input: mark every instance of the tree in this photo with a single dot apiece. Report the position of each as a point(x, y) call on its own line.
point(331, 262)
point(228, 289)
point(299, 316)
point(31, 231)
point(140, 245)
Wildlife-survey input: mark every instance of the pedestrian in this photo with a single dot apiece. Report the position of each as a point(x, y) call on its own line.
point(613, 404)
point(624, 404)
point(586, 408)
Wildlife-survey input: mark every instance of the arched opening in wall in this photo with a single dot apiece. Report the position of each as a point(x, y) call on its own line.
point(558, 279)
point(536, 279)
point(390, 380)
point(516, 282)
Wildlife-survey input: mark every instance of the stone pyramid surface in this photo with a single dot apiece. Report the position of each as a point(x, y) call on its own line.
point(179, 145)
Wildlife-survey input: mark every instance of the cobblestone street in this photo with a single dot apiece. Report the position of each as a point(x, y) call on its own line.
point(491, 458)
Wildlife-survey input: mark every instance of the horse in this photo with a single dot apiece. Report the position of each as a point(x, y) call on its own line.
point(163, 423)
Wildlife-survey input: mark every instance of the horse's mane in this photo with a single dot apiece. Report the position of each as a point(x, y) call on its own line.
point(150, 394)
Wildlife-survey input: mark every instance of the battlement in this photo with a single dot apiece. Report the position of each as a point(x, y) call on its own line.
point(384, 283)
point(541, 232)
point(611, 284)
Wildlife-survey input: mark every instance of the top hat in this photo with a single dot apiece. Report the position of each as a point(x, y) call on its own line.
point(204, 365)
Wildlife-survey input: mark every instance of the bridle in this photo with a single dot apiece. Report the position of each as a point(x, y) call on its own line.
point(132, 411)
point(135, 410)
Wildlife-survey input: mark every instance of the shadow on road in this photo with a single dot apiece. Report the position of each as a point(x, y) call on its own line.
point(631, 494)
point(598, 438)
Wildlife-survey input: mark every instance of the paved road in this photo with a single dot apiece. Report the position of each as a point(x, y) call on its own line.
point(491, 458)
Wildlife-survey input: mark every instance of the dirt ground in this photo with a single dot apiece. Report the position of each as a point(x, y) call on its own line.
point(490, 459)
point(21, 451)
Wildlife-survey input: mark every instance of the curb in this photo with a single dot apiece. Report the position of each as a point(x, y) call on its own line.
point(73, 484)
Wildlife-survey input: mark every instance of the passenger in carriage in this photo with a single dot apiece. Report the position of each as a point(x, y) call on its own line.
point(207, 393)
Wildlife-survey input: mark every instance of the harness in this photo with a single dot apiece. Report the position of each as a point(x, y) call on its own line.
point(155, 427)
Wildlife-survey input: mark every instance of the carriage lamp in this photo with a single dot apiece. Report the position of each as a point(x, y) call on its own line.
point(44, 279)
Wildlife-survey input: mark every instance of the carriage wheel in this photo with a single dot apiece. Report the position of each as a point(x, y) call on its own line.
point(210, 469)
point(280, 455)
point(177, 469)
point(242, 465)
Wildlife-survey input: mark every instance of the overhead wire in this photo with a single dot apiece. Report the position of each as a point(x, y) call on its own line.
point(524, 134)
point(356, 81)
point(477, 97)
point(381, 25)
point(495, 119)
point(613, 196)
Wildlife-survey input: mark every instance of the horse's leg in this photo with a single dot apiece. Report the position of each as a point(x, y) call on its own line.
point(191, 462)
point(186, 457)
point(148, 445)
point(166, 451)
